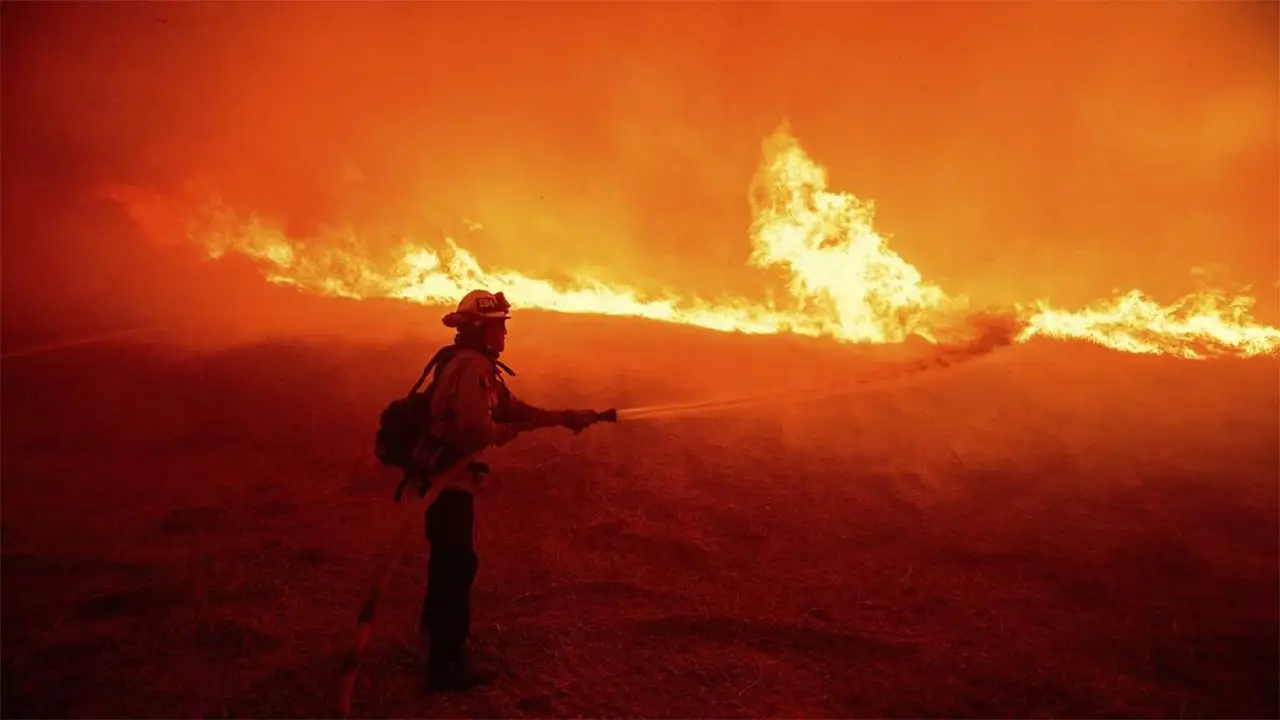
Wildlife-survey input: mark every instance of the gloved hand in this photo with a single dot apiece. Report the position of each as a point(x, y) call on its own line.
point(578, 420)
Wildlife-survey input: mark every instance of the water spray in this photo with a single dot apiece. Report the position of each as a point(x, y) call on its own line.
point(81, 341)
point(658, 412)
point(848, 387)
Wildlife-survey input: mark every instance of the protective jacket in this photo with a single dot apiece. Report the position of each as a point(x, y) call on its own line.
point(471, 402)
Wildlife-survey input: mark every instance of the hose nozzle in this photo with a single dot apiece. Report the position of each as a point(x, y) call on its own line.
point(610, 415)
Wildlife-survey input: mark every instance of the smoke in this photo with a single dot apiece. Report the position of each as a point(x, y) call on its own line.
point(1004, 149)
point(987, 331)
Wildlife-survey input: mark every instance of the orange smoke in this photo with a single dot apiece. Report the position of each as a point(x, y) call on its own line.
point(844, 281)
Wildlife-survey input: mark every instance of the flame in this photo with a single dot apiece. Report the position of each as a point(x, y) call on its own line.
point(841, 271)
point(843, 279)
point(1205, 324)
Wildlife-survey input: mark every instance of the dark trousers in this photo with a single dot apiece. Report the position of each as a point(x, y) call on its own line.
point(451, 569)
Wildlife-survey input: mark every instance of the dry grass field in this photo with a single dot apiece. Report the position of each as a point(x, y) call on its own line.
point(189, 528)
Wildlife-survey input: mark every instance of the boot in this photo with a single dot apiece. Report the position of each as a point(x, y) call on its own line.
point(461, 675)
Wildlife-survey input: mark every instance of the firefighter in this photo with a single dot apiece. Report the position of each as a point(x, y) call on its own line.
point(471, 409)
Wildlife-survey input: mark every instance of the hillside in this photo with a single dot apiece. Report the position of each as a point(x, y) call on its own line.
point(189, 529)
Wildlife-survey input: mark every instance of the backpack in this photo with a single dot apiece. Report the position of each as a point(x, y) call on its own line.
point(405, 422)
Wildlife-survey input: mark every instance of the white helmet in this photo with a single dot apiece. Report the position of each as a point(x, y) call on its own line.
point(478, 306)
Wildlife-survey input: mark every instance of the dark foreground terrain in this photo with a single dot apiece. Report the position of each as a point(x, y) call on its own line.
point(1048, 530)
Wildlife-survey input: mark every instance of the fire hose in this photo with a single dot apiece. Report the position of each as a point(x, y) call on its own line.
point(461, 474)
point(466, 473)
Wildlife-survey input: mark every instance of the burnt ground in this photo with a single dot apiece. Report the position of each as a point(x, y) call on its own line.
point(1047, 531)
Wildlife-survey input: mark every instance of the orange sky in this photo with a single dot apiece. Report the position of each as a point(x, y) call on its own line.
point(1015, 151)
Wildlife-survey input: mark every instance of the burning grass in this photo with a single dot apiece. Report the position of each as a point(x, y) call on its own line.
point(1046, 530)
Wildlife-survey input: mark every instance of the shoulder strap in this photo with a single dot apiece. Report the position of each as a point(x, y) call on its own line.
point(444, 355)
point(437, 362)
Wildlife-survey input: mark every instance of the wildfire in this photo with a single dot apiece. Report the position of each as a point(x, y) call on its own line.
point(1200, 325)
point(843, 279)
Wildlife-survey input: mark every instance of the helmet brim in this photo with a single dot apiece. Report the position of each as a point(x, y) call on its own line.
point(457, 319)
